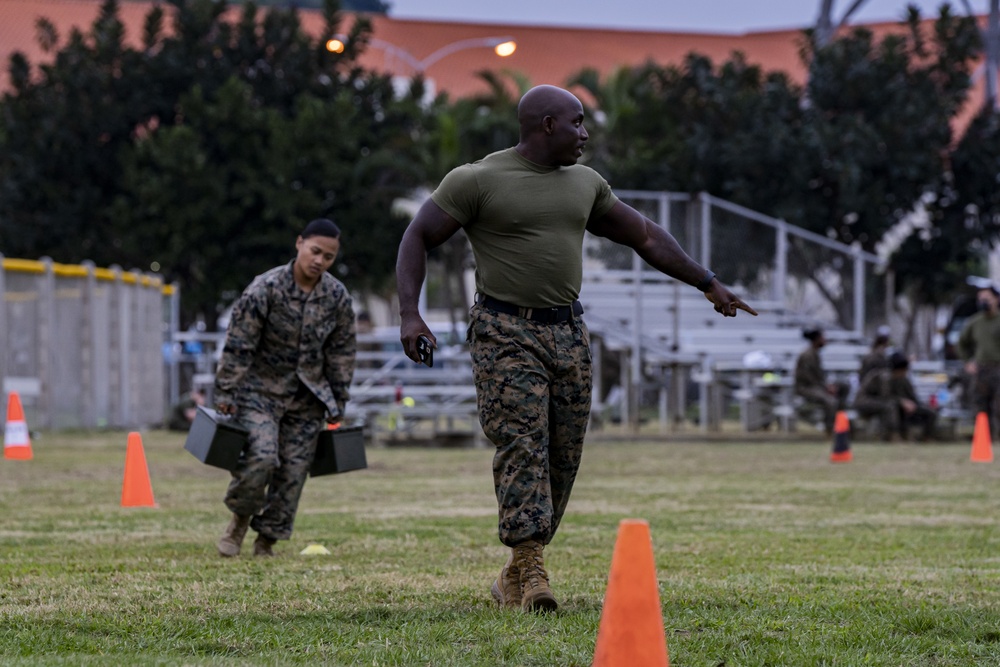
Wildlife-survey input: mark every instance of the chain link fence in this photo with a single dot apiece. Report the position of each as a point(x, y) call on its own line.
point(84, 346)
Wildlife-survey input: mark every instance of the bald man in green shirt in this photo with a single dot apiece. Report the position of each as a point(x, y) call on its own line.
point(525, 210)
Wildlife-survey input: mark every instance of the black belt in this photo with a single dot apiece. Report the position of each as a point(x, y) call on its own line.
point(552, 315)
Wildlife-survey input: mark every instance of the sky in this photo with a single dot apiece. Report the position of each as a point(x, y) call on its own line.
point(727, 16)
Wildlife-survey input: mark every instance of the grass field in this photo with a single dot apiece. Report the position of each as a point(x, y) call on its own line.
point(766, 554)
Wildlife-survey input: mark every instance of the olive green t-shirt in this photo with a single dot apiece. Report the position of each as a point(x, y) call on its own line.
point(980, 339)
point(525, 222)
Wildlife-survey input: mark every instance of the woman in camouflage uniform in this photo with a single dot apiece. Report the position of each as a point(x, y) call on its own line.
point(287, 361)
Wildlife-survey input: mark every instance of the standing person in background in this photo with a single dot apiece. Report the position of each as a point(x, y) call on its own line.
point(979, 345)
point(287, 361)
point(525, 210)
point(811, 382)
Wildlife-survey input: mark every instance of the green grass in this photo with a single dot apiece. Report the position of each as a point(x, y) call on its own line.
point(766, 554)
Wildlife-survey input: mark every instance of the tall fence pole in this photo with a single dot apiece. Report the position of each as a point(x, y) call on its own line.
point(706, 229)
point(859, 291)
point(175, 326)
point(45, 343)
point(636, 384)
point(780, 262)
point(4, 346)
point(88, 357)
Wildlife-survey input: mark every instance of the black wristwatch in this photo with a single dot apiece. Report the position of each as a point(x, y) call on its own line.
point(706, 282)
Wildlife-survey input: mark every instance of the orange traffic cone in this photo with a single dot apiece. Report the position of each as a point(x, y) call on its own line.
point(16, 441)
point(982, 443)
point(136, 489)
point(841, 439)
point(631, 630)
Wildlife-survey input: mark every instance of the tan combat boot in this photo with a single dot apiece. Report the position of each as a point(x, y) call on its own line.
point(535, 592)
point(506, 589)
point(229, 544)
point(262, 546)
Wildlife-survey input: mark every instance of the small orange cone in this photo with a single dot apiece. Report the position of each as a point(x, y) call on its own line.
point(631, 631)
point(16, 441)
point(982, 443)
point(136, 489)
point(841, 439)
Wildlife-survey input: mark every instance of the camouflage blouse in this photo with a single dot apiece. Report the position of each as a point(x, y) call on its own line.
point(280, 335)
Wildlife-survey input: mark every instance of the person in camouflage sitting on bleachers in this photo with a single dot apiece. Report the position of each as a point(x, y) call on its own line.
point(811, 382)
point(888, 395)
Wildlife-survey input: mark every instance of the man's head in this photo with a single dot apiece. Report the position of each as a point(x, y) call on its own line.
point(815, 336)
point(987, 300)
point(317, 248)
point(551, 122)
point(881, 337)
point(898, 363)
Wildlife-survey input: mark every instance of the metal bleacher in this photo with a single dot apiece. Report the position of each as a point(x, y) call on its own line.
point(668, 338)
point(665, 336)
point(683, 341)
point(407, 403)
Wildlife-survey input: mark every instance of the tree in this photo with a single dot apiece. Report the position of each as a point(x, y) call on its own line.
point(733, 131)
point(200, 149)
point(849, 156)
point(59, 164)
point(826, 27)
point(991, 40)
point(965, 214)
point(880, 123)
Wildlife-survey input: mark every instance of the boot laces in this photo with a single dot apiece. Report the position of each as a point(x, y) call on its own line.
point(532, 570)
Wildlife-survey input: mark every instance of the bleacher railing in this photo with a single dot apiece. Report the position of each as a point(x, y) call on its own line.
point(765, 258)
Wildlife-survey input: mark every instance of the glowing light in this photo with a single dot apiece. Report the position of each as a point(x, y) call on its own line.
point(505, 49)
point(335, 46)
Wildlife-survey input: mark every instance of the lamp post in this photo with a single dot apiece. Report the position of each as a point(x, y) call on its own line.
point(502, 46)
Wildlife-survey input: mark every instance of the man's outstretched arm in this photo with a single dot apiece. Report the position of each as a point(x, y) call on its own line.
point(658, 248)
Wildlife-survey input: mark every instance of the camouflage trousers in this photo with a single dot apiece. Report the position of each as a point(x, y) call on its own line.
point(268, 481)
point(895, 420)
point(885, 409)
point(986, 389)
point(533, 386)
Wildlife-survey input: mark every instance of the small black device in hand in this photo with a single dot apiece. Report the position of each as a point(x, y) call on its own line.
point(425, 351)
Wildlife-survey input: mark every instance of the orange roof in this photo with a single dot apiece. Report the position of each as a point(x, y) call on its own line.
point(546, 54)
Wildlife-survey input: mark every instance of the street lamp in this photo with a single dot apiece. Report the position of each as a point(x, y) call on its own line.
point(502, 46)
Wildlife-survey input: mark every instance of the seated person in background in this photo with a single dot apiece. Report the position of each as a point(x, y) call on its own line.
point(878, 357)
point(888, 395)
point(811, 383)
point(183, 412)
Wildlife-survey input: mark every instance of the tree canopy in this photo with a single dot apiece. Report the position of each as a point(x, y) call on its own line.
point(209, 144)
point(206, 149)
point(851, 155)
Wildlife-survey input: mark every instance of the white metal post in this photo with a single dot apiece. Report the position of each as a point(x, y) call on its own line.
point(780, 261)
point(4, 346)
point(859, 291)
point(88, 349)
point(706, 229)
point(45, 344)
point(636, 384)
